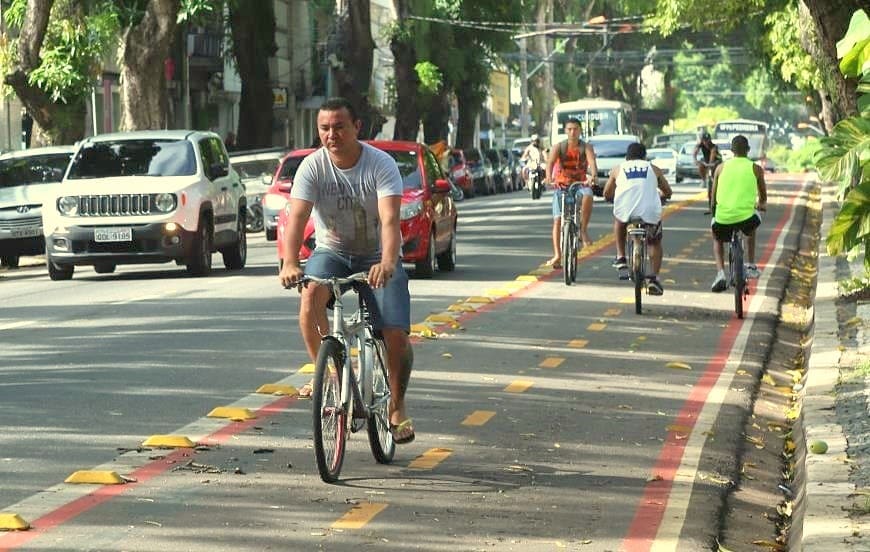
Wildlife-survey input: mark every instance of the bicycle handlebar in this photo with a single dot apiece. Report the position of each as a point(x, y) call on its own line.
point(358, 277)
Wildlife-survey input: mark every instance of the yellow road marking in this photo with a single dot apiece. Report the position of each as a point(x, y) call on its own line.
point(277, 389)
point(527, 278)
point(460, 307)
point(430, 459)
point(578, 343)
point(612, 312)
point(440, 318)
point(307, 368)
point(551, 362)
point(627, 299)
point(478, 418)
point(518, 386)
point(479, 299)
point(664, 270)
point(596, 326)
point(359, 516)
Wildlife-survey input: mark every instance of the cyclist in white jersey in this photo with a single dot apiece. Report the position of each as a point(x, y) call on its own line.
point(637, 188)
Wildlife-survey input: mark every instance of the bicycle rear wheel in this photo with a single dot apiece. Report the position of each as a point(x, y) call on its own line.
point(637, 271)
point(739, 276)
point(328, 414)
point(377, 395)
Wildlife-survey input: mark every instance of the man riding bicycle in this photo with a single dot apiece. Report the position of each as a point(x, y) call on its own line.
point(739, 193)
point(576, 160)
point(531, 159)
point(354, 191)
point(636, 188)
point(711, 158)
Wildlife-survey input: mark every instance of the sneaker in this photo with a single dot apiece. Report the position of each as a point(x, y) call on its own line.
point(719, 284)
point(752, 272)
point(654, 287)
point(619, 262)
point(622, 272)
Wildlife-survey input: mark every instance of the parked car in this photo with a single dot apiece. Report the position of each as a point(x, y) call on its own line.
point(146, 197)
point(498, 169)
point(673, 140)
point(428, 213)
point(482, 178)
point(278, 193)
point(666, 160)
point(610, 150)
point(511, 170)
point(27, 178)
point(255, 168)
point(460, 171)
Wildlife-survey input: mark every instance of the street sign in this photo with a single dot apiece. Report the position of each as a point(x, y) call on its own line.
point(279, 98)
point(499, 91)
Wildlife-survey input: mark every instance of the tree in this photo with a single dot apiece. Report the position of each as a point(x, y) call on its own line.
point(253, 32)
point(404, 63)
point(52, 69)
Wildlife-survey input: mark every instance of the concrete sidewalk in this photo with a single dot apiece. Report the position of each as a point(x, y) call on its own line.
point(836, 508)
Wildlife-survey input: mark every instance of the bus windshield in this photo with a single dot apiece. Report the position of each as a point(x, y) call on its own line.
point(755, 132)
point(598, 121)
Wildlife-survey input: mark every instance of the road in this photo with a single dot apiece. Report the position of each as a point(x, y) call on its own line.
point(551, 418)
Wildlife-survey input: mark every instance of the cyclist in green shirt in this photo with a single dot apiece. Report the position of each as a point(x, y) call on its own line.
point(739, 193)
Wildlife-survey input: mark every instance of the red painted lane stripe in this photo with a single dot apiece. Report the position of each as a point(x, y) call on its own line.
point(68, 511)
point(652, 505)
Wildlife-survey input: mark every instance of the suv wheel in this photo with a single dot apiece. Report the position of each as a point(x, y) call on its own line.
point(199, 262)
point(236, 255)
point(9, 261)
point(60, 272)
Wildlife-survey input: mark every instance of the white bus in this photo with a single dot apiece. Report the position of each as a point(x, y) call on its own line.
point(755, 132)
point(596, 116)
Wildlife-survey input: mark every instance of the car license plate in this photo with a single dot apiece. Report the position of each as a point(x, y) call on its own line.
point(28, 232)
point(113, 234)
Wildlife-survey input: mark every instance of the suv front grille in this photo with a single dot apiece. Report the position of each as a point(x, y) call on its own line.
point(114, 205)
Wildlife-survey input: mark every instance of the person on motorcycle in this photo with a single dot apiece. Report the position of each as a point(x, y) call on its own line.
point(531, 159)
point(710, 156)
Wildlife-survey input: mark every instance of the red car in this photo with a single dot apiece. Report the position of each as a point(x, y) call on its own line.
point(428, 214)
point(460, 172)
point(278, 193)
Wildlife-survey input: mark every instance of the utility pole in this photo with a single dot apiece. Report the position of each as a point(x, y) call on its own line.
point(524, 89)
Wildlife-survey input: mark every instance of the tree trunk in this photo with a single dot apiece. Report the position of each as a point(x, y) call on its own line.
point(469, 104)
point(544, 46)
point(253, 30)
point(831, 22)
point(53, 122)
point(435, 119)
point(144, 48)
point(352, 45)
point(407, 83)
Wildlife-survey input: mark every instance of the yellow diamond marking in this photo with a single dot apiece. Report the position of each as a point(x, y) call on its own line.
point(359, 516)
point(596, 326)
point(518, 386)
point(233, 413)
point(277, 389)
point(479, 299)
point(612, 312)
point(578, 343)
point(430, 459)
point(478, 418)
point(307, 368)
point(168, 441)
point(12, 522)
point(94, 477)
point(551, 362)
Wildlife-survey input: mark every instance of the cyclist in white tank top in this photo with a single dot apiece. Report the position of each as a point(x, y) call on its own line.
point(636, 188)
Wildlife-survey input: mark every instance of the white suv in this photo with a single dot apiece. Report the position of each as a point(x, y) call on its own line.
point(146, 197)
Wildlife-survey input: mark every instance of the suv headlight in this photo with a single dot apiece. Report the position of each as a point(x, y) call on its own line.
point(275, 202)
point(164, 202)
point(68, 205)
point(410, 209)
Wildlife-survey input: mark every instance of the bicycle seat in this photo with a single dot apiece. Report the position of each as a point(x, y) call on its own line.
point(635, 220)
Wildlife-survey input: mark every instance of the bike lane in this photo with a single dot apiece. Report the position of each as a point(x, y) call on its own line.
point(527, 442)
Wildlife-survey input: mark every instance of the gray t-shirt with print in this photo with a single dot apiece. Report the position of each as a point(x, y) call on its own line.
point(346, 200)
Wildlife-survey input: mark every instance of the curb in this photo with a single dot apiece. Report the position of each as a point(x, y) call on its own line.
point(826, 523)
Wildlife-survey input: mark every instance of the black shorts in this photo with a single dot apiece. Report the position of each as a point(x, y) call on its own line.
point(722, 232)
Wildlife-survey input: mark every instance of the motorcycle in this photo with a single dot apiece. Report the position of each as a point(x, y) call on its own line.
point(536, 180)
point(255, 191)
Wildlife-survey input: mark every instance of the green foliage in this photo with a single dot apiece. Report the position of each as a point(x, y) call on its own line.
point(783, 43)
point(795, 160)
point(845, 155)
point(430, 77)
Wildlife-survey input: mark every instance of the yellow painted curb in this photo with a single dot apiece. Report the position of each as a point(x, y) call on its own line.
point(307, 368)
point(91, 477)
point(12, 522)
point(233, 413)
point(168, 441)
point(277, 389)
point(479, 299)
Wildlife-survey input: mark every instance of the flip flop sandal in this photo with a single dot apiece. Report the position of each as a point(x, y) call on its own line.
point(407, 428)
point(305, 391)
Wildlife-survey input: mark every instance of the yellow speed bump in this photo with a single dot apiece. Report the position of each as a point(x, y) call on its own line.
point(423, 330)
point(277, 389)
point(168, 441)
point(440, 318)
point(479, 299)
point(460, 307)
point(233, 413)
point(12, 522)
point(497, 292)
point(94, 477)
point(307, 368)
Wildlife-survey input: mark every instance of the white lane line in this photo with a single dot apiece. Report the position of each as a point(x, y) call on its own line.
point(19, 324)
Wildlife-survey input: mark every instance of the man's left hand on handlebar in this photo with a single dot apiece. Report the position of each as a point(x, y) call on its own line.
point(291, 275)
point(380, 274)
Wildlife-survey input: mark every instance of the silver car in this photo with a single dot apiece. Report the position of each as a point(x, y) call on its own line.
point(610, 151)
point(27, 177)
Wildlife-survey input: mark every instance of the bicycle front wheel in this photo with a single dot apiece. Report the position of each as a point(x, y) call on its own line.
point(378, 398)
point(567, 252)
point(739, 276)
point(637, 271)
point(328, 413)
point(575, 249)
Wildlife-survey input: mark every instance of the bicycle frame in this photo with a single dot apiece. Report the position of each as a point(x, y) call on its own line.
point(737, 271)
point(636, 231)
